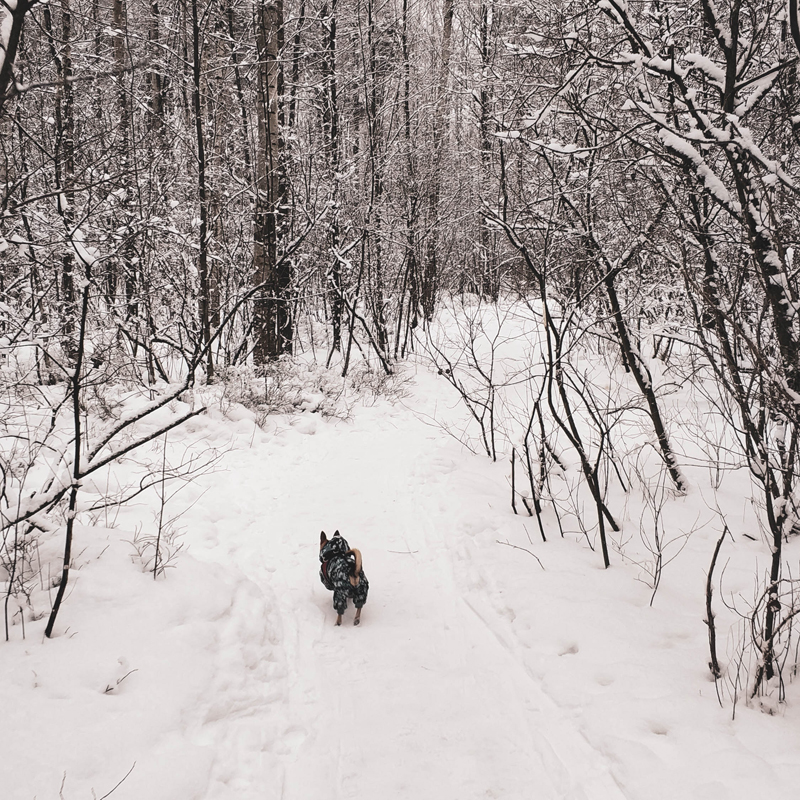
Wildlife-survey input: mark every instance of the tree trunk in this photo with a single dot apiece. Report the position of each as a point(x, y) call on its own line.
point(431, 267)
point(64, 162)
point(330, 128)
point(237, 74)
point(127, 165)
point(155, 77)
point(297, 52)
point(489, 277)
point(9, 53)
point(204, 299)
point(272, 324)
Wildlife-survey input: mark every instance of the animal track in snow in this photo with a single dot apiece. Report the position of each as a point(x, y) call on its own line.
point(658, 728)
point(291, 740)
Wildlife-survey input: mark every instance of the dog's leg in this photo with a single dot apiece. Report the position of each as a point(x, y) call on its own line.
point(340, 600)
point(360, 596)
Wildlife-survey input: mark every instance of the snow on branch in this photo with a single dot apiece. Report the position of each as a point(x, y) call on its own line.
point(714, 73)
point(721, 32)
point(690, 156)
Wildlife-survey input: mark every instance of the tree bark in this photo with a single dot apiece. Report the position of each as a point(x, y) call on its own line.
point(155, 77)
point(64, 161)
point(330, 128)
point(431, 266)
point(204, 299)
point(272, 323)
point(9, 53)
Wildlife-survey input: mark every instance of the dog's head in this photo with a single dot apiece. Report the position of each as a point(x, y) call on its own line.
point(335, 546)
point(323, 539)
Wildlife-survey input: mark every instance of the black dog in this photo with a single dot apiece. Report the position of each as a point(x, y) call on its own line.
point(341, 573)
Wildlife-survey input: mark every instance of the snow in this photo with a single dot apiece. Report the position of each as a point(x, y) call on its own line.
point(721, 30)
point(618, 8)
point(711, 181)
point(714, 72)
point(87, 255)
point(477, 672)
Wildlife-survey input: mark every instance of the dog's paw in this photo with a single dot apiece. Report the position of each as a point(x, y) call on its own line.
point(356, 621)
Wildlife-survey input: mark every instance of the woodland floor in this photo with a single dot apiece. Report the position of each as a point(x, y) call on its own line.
point(477, 672)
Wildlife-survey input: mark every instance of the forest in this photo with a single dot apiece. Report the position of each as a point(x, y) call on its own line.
point(199, 194)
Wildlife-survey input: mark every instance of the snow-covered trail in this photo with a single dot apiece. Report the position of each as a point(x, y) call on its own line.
point(477, 672)
point(429, 698)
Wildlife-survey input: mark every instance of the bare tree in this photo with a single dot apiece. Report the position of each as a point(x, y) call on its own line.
point(272, 319)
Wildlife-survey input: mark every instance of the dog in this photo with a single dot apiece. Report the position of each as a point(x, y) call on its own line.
point(341, 573)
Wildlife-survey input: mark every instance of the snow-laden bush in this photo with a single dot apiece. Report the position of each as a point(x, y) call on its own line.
point(292, 386)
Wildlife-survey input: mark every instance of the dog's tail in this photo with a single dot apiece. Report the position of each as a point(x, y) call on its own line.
point(355, 578)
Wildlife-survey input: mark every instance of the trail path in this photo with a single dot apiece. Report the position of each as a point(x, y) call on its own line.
point(431, 697)
point(476, 673)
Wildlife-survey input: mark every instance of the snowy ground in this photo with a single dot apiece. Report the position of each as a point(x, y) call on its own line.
point(477, 672)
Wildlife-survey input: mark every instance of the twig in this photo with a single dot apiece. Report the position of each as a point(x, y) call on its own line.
point(513, 481)
point(110, 688)
point(712, 631)
point(517, 547)
point(120, 783)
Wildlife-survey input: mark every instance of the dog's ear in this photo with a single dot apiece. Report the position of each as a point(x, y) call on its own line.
point(336, 533)
point(323, 539)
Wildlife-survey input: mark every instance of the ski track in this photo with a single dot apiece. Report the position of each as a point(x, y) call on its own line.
point(430, 697)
